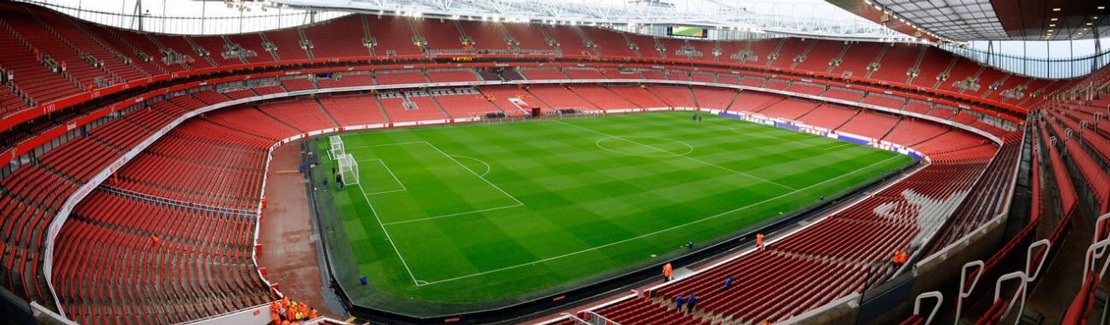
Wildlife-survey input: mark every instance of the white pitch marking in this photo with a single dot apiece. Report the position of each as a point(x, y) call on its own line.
point(383, 145)
point(838, 146)
point(687, 157)
point(452, 215)
point(387, 236)
point(488, 169)
point(657, 231)
point(403, 188)
point(475, 174)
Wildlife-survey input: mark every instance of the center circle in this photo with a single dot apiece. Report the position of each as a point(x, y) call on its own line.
point(644, 146)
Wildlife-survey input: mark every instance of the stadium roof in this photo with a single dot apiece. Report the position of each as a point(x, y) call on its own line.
point(813, 18)
point(997, 20)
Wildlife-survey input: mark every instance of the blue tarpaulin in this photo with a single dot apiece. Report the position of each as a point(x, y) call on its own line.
point(848, 138)
point(727, 114)
point(787, 126)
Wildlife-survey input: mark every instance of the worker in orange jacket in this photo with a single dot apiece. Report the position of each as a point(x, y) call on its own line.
point(900, 257)
point(759, 240)
point(667, 271)
point(291, 312)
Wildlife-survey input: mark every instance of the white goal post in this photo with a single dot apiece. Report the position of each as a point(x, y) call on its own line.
point(337, 148)
point(348, 168)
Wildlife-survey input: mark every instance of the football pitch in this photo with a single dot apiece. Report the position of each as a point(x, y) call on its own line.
point(475, 214)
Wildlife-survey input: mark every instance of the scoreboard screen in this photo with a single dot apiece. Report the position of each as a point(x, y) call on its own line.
point(688, 31)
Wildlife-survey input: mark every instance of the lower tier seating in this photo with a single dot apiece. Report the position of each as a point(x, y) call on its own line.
point(172, 234)
point(825, 261)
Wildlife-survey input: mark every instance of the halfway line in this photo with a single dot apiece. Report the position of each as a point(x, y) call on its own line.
point(657, 231)
point(686, 157)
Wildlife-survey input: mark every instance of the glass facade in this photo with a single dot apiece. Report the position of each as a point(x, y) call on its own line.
point(1041, 59)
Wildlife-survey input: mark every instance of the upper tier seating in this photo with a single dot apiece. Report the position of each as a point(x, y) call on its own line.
point(567, 39)
point(859, 57)
point(527, 38)
point(897, 61)
point(486, 35)
point(40, 37)
point(393, 36)
point(41, 84)
point(216, 47)
point(129, 55)
point(819, 58)
point(442, 35)
point(287, 42)
point(329, 44)
point(611, 43)
point(251, 42)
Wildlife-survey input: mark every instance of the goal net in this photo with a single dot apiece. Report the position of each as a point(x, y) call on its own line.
point(348, 168)
point(336, 147)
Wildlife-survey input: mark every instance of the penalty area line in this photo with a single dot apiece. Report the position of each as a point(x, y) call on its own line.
point(472, 172)
point(388, 237)
point(657, 231)
point(452, 215)
point(387, 169)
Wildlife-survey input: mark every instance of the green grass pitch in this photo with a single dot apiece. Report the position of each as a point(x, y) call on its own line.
point(502, 212)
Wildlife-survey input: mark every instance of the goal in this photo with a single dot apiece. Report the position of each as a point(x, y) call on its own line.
point(348, 167)
point(336, 147)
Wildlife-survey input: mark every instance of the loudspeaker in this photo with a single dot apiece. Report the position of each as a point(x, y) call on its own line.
point(535, 112)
